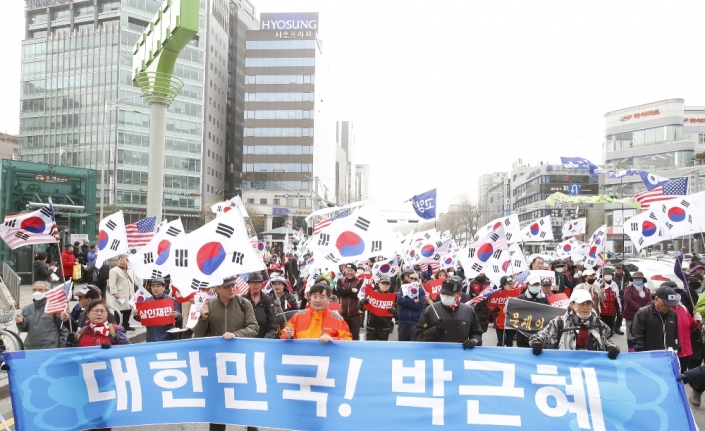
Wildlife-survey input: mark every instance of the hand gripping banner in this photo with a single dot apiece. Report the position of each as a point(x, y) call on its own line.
point(344, 385)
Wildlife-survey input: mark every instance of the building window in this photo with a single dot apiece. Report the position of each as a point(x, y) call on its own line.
point(302, 203)
point(263, 201)
point(276, 202)
point(250, 200)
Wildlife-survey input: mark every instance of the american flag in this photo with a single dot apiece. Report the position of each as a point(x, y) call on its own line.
point(241, 286)
point(482, 296)
point(140, 233)
point(327, 222)
point(56, 298)
point(677, 187)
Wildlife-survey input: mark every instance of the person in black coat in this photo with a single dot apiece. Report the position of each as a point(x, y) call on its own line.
point(378, 327)
point(475, 287)
point(263, 307)
point(40, 269)
point(655, 326)
point(532, 293)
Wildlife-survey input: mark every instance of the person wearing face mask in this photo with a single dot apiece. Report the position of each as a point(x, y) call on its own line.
point(44, 331)
point(347, 289)
point(588, 284)
point(532, 293)
point(579, 328)
point(562, 282)
point(636, 296)
point(655, 326)
point(475, 288)
point(609, 300)
point(687, 324)
point(505, 337)
point(261, 304)
point(409, 309)
point(621, 279)
point(379, 327)
point(450, 320)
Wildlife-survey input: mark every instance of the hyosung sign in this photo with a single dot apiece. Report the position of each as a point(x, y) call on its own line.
point(289, 21)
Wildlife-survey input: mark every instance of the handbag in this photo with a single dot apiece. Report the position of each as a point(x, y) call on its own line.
point(77, 273)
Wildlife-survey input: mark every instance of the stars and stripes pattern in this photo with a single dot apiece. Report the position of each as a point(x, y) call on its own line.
point(482, 296)
point(677, 187)
point(57, 298)
point(321, 224)
point(140, 233)
point(241, 286)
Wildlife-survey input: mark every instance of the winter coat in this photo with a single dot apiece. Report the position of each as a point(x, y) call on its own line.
point(593, 291)
point(458, 325)
point(41, 271)
point(540, 298)
point(92, 257)
point(633, 302)
point(379, 323)
point(264, 314)
point(122, 283)
point(347, 289)
point(310, 323)
point(67, 261)
point(287, 301)
point(481, 310)
point(609, 301)
point(622, 281)
point(44, 331)
point(648, 329)
point(159, 333)
point(237, 318)
point(409, 310)
point(87, 338)
point(562, 332)
point(696, 378)
point(686, 325)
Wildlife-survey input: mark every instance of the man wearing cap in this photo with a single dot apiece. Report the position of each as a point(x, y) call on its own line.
point(533, 293)
point(450, 320)
point(609, 300)
point(262, 305)
point(378, 327)
point(636, 296)
point(655, 326)
point(156, 286)
point(505, 337)
point(547, 287)
point(410, 308)
point(347, 289)
point(579, 328)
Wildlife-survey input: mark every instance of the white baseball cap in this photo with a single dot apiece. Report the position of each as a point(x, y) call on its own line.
point(580, 296)
point(588, 272)
point(533, 279)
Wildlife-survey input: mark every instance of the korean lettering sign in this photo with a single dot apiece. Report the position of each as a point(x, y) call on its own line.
point(343, 385)
point(156, 313)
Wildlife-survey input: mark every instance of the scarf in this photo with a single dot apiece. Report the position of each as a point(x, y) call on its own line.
point(455, 305)
point(103, 329)
point(581, 342)
point(640, 289)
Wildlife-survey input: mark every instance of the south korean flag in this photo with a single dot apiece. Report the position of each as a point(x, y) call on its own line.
point(509, 224)
point(489, 255)
point(679, 216)
point(154, 259)
point(537, 231)
point(644, 229)
point(112, 238)
point(596, 248)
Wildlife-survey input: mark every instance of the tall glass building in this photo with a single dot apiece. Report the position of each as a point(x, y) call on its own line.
point(77, 56)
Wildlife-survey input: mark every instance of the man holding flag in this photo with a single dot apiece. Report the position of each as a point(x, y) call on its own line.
point(45, 329)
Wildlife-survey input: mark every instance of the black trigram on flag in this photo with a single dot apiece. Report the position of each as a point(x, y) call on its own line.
point(497, 254)
point(156, 274)
point(471, 252)
point(22, 235)
point(46, 212)
point(542, 234)
point(224, 230)
point(439, 244)
point(507, 222)
point(376, 246)
point(11, 223)
point(495, 269)
point(517, 263)
point(685, 203)
point(362, 223)
point(148, 258)
point(436, 257)
point(634, 226)
point(476, 267)
point(494, 237)
point(332, 258)
point(541, 222)
point(181, 257)
point(669, 225)
point(509, 236)
point(115, 245)
point(196, 284)
point(237, 257)
point(111, 225)
point(427, 235)
point(641, 241)
point(652, 216)
point(323, 239)
point(172, 231)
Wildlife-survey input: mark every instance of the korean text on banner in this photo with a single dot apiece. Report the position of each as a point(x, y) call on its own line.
point(559, 300)
point(344, 385)
point(500, 298)
point(433, 288)
point(156, 313)
point(528, 316)
point(378, 303)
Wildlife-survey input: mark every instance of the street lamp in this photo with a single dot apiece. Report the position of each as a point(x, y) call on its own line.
point(109, 106)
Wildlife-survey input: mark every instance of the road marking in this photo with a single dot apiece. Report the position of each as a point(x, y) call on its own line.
point(9, 423)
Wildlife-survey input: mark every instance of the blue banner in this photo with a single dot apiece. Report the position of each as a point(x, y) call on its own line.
point(307, 385)
point(425, 204)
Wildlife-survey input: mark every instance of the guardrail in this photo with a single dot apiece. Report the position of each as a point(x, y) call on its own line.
point(12, 281)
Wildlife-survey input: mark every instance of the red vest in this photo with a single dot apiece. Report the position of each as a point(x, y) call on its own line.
point(609, 307)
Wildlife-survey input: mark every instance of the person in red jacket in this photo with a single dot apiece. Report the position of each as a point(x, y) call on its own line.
point(609, 298)
point(67, 261)
point(98, 331)
point(687, 323)
point(505, 337)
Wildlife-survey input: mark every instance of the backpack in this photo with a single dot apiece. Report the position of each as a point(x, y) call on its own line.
point(104, 272)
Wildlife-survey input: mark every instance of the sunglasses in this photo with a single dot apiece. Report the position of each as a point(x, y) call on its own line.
point(414, 278)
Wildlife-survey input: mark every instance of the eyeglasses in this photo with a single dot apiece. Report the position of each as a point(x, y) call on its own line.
point(414, 279)
point(99, 311)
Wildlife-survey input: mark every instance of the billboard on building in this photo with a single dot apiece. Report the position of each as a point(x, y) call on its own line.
point(289, 21)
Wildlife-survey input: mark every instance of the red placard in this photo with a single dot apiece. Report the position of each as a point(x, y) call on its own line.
point(156, 313)
point(500, 298)
point(560, 300)
point(378, 302)
point(433, 288)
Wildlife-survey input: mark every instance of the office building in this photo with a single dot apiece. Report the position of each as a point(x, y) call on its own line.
point(485, 182)
point(362, 181)
point(662, 138)
point(346, 190)
point(289, 152)
point(76, 61)
point(9, 147)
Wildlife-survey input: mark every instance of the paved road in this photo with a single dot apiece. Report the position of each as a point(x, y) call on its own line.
point(489, 339)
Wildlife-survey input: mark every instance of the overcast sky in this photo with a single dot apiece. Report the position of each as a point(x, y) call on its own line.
point(443, 91)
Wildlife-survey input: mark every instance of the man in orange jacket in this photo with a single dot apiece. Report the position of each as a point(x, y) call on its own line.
point(317, 321)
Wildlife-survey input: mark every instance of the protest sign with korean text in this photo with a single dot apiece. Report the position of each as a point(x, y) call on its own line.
point(378, 303)
point(500, 298)
point(433, 288)
point(528, 316)
point(156, 313)
point(559, 300)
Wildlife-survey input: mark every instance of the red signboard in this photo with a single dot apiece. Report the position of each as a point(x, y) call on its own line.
point(500, 298)
point(378, 303)
point(156, 313)
point(433, 288)
point(560, 300)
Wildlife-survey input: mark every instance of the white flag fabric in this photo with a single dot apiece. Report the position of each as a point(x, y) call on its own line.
point(489, 255)
point(428, 251)
point(596, 250)
point(699, 214)
point(568, 247)
point(574, 228)
point(512, 228)
point(211, 253)
point(518, 260)
point(222, 208)
point(411, 290)
point(644, 229)
point(539, 230)
point(112, 238)
point(153, 260)
point(363, 234)
point(446, 235)
point(678, 216)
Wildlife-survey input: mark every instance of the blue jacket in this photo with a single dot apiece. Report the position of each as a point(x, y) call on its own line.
point(158, 333)
point(410, 311)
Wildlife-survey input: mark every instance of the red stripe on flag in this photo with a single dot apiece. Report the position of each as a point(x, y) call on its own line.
point(56, 301)
point(135, 238)
point(321, 224)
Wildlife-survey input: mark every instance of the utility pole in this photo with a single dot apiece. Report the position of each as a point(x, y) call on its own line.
point(315, 185)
